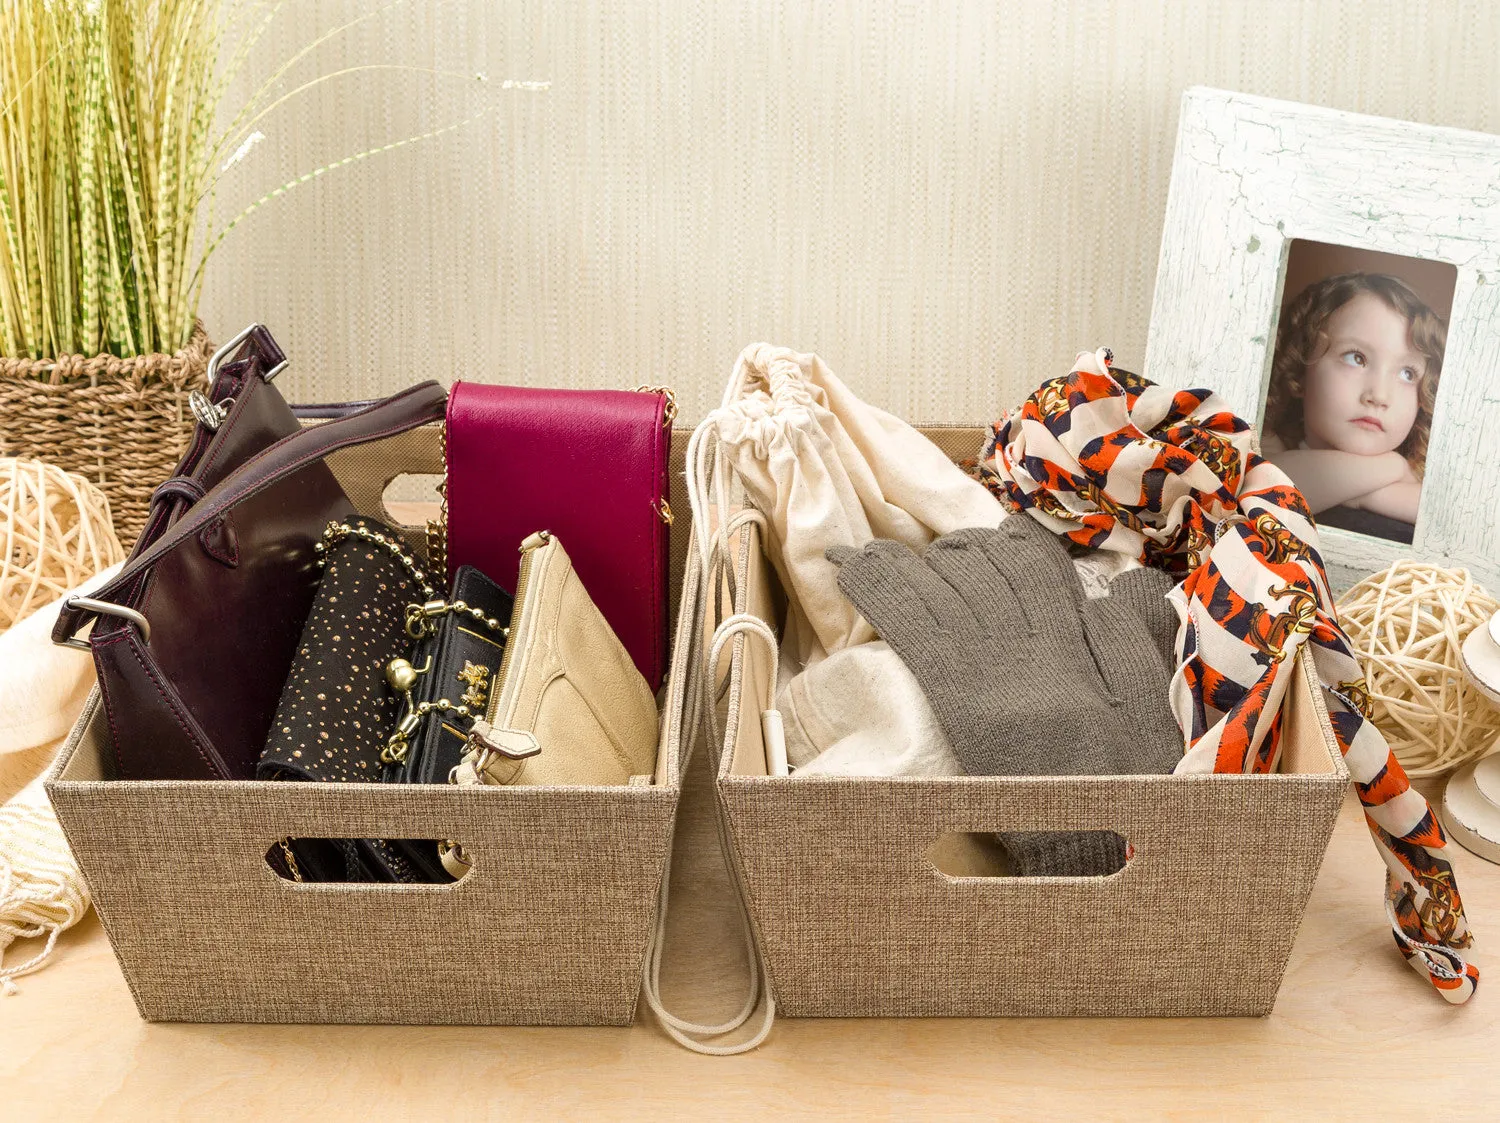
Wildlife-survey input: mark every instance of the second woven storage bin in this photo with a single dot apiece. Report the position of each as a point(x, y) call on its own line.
point(872, 897)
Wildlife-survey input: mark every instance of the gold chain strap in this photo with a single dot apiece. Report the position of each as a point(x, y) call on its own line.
point(420, 617)
point(400, 741)
point(334, 533)
point(437, 529)
point(670, 414)
point(662, 508)
point(291, 859)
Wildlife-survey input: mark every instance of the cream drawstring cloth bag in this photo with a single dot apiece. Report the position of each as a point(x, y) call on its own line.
point(826, 469)
point(795, 456)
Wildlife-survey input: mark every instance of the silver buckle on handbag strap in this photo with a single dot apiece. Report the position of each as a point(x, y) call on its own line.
point(230, 348)
point(104, 608)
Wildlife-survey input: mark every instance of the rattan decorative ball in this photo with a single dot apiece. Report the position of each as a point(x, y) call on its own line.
point(1408, 625)
point(57, 531)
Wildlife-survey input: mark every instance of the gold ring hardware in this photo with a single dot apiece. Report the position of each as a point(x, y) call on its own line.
point(419, 617)
point(663, 510)
point(450, 850)
point(669, 415)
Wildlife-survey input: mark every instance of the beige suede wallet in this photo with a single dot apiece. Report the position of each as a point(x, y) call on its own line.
point(569, 706)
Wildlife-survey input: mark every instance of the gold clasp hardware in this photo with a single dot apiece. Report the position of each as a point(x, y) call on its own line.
point(476, 677)
point(402, 676)
point(419, 617)
point(669, 414)
point(663, 511)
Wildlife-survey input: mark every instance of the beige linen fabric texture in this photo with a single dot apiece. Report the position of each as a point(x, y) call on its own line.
point(855, 920)
point(548, 928)
point(943, 201)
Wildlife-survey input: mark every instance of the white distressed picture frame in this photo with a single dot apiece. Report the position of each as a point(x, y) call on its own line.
point(1252, 174)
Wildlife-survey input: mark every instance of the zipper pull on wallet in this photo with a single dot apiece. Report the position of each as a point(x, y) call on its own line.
point(497, 753)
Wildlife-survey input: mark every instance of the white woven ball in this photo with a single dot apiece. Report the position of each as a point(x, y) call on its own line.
point(57, 534)
point(1408, 625)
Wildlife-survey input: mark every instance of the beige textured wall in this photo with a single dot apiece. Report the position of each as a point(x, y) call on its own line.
point(945, 201)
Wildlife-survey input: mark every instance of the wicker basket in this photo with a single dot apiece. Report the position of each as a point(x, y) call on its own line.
point(120, 423)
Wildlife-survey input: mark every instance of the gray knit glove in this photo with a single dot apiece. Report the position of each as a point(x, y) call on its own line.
point(1025, 673)
point(1144, 591)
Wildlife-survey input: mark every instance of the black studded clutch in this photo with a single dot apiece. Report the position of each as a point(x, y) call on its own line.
point(379, 642)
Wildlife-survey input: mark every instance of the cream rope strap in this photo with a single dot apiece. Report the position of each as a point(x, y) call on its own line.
point(700, 695)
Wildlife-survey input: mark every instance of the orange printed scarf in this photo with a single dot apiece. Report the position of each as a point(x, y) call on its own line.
point(1115, 462)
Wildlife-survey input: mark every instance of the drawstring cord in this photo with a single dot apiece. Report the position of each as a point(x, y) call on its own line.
point(705, 464)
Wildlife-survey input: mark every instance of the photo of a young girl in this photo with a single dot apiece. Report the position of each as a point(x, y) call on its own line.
point(1349, 407)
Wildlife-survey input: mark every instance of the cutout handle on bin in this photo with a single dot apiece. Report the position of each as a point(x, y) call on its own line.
point(338, 861)
point(966, 854)
point(407, 488)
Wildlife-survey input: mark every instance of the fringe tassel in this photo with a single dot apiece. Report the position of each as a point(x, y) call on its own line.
point(41, 888)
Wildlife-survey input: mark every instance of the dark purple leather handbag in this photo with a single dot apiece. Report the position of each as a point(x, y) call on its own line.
point(194, 638)
point(588, 465)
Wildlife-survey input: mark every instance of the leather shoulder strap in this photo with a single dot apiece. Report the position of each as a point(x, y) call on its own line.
point(419, 405)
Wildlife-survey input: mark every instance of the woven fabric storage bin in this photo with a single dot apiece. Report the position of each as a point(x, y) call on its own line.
point(879, 897)
point(120, 423)
point(550, 926)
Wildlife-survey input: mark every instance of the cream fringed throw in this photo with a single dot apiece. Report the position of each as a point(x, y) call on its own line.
point(42, 690)
point(41, 890)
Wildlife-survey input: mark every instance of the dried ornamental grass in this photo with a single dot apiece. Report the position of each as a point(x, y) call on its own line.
point(105, 143)
point(110, 159)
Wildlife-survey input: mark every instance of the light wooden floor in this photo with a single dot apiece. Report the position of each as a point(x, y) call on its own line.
point(1354, 1034)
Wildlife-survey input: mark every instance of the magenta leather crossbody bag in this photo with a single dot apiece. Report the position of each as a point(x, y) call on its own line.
point(588, 465)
